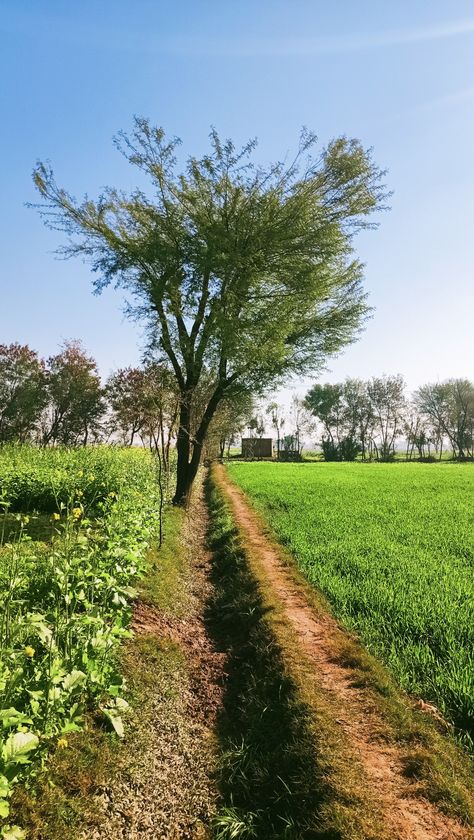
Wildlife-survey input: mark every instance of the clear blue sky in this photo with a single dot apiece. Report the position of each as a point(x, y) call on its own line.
point(400, 76)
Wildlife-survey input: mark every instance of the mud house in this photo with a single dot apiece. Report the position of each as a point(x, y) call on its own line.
point(257, 448)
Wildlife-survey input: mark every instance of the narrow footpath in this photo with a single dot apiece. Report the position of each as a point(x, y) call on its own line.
point(406, 813)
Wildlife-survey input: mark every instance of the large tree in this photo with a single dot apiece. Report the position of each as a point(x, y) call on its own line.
point(388, 405)
point(75, 397)
point(246, 271)
point(22, 391)
point(449, 406)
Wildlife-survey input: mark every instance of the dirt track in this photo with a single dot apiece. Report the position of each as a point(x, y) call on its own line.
point(407, 815)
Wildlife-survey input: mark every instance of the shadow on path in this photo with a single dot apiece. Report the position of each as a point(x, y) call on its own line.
point(270, 781)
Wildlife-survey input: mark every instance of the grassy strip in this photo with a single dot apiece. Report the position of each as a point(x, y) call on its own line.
point(283, 771)
point(165, 584)
point(431, 754)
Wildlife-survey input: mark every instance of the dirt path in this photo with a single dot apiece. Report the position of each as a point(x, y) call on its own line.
point(406, 815)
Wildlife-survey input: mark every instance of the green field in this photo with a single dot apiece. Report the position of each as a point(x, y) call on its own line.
point(392, 548)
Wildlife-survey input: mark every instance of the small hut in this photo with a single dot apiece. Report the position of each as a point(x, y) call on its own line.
point(257, 447)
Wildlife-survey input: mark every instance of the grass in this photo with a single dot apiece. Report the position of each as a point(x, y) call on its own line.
point(430, 755)
point(164, 585)
point(392, 548)
point(60, 801)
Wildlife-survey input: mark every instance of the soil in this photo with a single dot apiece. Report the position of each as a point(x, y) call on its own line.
point(407, 815)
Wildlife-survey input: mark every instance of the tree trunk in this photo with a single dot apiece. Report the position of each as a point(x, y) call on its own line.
point(186, 470)
point(183, 445)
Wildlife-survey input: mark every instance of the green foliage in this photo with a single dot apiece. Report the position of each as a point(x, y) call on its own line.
point(330, 450)
point(349, 449)
point(22, 391)
point(43, 480)
point(449, 407)
point(244, 272)
point(75, 397)
point(65, 605)
point(392, 547)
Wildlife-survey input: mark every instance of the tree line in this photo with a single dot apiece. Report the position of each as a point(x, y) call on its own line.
point(368, 418)
point(61, 400)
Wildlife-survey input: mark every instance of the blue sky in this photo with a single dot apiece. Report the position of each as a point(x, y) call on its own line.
point(399, 76)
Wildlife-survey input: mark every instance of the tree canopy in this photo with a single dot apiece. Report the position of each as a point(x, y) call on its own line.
point(242, 270)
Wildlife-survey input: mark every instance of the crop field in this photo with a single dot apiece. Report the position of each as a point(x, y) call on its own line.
point(392, 548)
point(75, 527)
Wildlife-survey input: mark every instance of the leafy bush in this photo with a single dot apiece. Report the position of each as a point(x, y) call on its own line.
point(346, 450)
point(330, 450)
point(349, 449)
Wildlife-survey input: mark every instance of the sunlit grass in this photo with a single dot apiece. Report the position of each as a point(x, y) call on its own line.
point(392, 547)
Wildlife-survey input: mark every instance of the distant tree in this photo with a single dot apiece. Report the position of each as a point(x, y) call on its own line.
point(229, 422)
point(449, 406)
point(325, 402)
point(144, 403)
point(160, 401)
point(124, 392)
point(239, 270)
point(417, 434)
point(75, 397)
point(388, 405)
point(301, 421)
point(22, 391)
point(357, 417)
point(278, 420)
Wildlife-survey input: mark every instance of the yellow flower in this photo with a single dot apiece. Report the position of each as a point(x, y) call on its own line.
point(56, 516)
point(76, 512)
point(79, 493)
point(24, 519)
point(62, 743)
point(29, 651)
point(91, 477)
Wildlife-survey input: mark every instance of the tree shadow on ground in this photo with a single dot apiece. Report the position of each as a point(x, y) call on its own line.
point(271, 782)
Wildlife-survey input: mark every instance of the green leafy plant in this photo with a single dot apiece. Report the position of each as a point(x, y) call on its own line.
point(65, 601)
